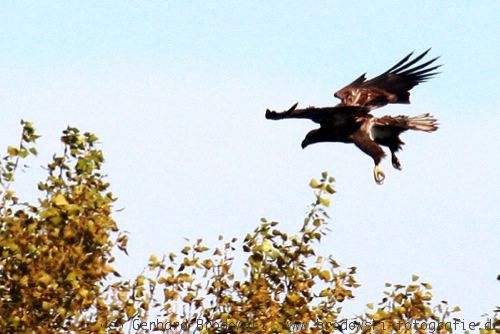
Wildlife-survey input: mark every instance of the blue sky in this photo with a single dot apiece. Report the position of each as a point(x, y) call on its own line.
point(177, 91)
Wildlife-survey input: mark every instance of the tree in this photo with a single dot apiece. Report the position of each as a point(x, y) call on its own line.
point(57, 275)
point(56, 254)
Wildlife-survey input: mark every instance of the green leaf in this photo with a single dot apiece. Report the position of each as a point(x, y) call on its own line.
point(330, 189)
point(23, 153)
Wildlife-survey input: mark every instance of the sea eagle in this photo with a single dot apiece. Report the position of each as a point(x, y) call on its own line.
point(350, 120)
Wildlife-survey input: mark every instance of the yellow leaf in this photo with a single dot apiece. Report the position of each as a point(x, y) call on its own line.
point(293, 297)
point(130, 310)
point(45, 278)
point(414, 278)
point(325, 293)
point(412, 288)
point(427, 286)
point(60, 200)
point(83, 292)
point(314, 184)
point(122, 296)
point(62, 311)
point(325, 275)
point(108, 269)
point(188, 298)
point(71, 276)
point(12, 151)
point(324, 201)
point(68, 233)
point(314, 271)
point(153, 259)
point(46, 306)
point(207, 263)
point(55, 219)
point(267, 246)
point(201, 248)
point(170, 294)
point(380, 315)
point(24, 281)
point(16, 320)
point(73, 209)
point(49, 213)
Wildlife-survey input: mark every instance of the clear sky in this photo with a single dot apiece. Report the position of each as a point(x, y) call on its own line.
point(176, 91)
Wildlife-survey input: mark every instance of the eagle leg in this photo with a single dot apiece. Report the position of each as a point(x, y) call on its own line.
point(395, 162)
point(363, 141)
point(378, 174)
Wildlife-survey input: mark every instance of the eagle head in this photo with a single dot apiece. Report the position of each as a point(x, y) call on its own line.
point(312, 137)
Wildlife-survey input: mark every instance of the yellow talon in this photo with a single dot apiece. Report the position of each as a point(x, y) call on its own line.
point(379, 175)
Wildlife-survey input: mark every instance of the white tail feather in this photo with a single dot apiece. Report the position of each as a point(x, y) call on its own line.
point(424, 122)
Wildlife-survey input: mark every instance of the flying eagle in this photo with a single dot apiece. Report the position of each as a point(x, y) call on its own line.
point(350, 120)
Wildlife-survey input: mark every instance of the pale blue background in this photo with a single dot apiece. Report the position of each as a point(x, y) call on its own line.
point(176, 92)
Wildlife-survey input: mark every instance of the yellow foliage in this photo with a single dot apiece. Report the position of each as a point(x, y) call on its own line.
point(56, 272)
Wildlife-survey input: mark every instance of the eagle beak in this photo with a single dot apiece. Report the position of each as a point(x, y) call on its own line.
point(304, 143)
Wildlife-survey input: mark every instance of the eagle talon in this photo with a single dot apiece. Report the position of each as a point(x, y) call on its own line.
point(395, 163)
point(379, 175)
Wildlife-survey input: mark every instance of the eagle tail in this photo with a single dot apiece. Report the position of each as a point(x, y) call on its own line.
point(424, 122)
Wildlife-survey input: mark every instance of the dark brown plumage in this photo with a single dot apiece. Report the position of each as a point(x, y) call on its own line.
point(350, 121)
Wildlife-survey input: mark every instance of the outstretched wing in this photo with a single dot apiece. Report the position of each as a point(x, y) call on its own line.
point(318, 115)
point(392, 86)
